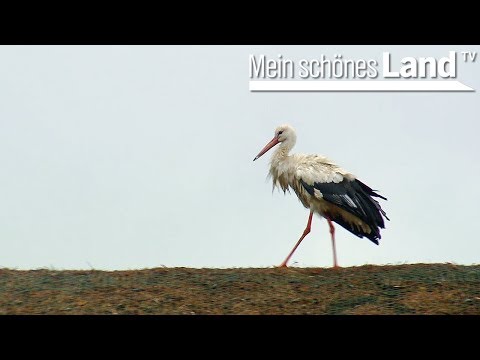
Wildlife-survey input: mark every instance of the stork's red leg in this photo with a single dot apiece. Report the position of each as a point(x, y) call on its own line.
point(305, 233)
point(332, 233)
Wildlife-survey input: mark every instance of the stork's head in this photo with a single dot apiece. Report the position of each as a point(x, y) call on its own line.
point(284, 134)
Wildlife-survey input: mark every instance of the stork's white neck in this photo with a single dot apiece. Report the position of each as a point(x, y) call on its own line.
point(283, 150)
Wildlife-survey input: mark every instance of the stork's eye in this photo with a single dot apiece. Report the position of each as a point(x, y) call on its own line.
point(280, 132)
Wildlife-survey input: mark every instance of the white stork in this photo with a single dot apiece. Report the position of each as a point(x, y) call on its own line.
point(326, 189)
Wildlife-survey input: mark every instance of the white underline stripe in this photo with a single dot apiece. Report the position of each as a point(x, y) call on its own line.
point(358, 85)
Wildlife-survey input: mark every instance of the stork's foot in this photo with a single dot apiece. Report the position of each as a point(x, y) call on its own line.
point(282, 265)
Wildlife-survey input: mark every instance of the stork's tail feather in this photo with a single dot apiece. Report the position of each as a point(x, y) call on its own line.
point(371, 192)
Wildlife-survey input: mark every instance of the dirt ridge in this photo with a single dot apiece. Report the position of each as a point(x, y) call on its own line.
point(369, 289)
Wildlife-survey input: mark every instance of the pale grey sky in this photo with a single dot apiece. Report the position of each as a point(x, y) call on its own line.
point(125, 157)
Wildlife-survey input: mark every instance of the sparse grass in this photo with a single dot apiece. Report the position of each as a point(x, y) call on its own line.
point(369, 289)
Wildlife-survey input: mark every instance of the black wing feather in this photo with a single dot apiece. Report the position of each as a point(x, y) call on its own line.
point(356, 198)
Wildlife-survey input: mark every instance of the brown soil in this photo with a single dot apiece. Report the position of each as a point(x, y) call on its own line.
point(402, 289)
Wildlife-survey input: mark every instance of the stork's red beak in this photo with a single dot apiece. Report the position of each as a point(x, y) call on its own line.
point(267, 147)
